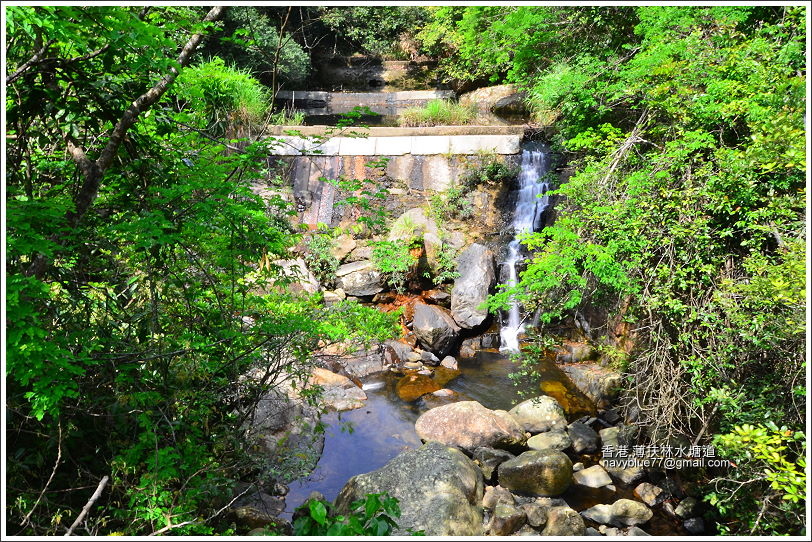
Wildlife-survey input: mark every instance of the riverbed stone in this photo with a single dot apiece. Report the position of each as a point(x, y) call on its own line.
point(449, 362)
point(412, 387)
point(477, 277)
point(339, 392)
point(539, 414)
point(296, 271)
point(636, 531)
point(687, 508)
point(584, 439)
point(594, 476)
point(535, 513)
point(506, 519)
point(434, 328)
point(695, 526)
point(489, 459)
point(563, 521)
point(468, 425)
point(649, 494)
point(545, 473)
point(627, 512)
point(438, 489)
point(599, 383)
point(553, 440)
point(628, 472)
point(359, 278)
point(495, 495)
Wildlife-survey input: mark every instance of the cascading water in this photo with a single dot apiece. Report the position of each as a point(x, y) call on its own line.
point(531, 201)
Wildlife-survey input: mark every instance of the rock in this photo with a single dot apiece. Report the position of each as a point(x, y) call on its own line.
point(342, 246)
point(439, 491)
point(537, 472)
point(694, 526)
point(611, 416)
point(626, 512)
point(445, 392)
point(584, 439)
point(414, 357)
point(413, 387)
point(495, 495)
point(506, 519)
point(577, 466)
point(469, 347)
point(255, 509)
point(499, 99)
point(438, 297)
point(599, 383)
point(553, 440)
point(621, 513)
point(628, 473)
point(429, 359)
point(396, 352)
point(563, 521)
point(490, 340)
point(591, 531)
point(434, 328)
point(489, 459)
point(540, 414)
point(477, 277)
point(332, 297)
point(450, 363)
point(687, 508)
point(362, 363)
point(595, 476)
point(413, 365)
point(636, 531)
point(433, 246)
point(535, 513)
point(359, 278)
point(359, 254)
point(340, 393)
point(600, 513)
point(302, 280)
point(412, 224)
point(649, 494)
point(468, 425)
point(526, 530)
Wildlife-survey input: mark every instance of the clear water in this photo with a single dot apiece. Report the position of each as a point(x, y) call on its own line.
point(531, 201)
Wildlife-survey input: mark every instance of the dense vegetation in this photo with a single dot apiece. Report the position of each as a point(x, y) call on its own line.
point(141, 284)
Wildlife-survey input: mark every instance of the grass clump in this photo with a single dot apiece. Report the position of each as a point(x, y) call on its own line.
point(437, 113)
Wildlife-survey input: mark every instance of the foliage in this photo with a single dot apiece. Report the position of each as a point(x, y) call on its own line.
point(319, 258)
point(250, 38)
point(773, 460)
point(220, 99)
point(453, 203)
point(374, 515)
point(374, 30)
point(365, 195)
point(490, 171)
point(437, 113)
point(132, 325)
point(287, 117)
point(395, 261)
point(684, 216)
point(446, 264)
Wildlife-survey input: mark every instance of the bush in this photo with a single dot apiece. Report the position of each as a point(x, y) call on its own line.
point(373, 516)
point(320, 260)
point(452, 203)
point(437, 113)
point(490, 171)
point(395, 261)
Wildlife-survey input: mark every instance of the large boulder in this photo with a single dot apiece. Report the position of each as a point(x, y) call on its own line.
point(540, 414)
point(499, 99)
point(434, 328)
point(537, 472)
point(584, 439)
point(600, 384)
point(338, 392)
point(438, 488)
point(594, 476)
point(551, 440)
point(359, 278)
point(468, 425)
point(477, 277)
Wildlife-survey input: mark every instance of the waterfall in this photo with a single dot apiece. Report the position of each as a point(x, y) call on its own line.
point(531, 201)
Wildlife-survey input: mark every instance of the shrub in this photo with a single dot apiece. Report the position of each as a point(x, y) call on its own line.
point(320, 260)
point(373, 516)
point(395, 261)
point(437, 113)
point(490, 171)
point(452, 203)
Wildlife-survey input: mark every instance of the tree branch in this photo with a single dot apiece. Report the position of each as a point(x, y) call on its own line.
point(83, 513)
point(33, 60)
